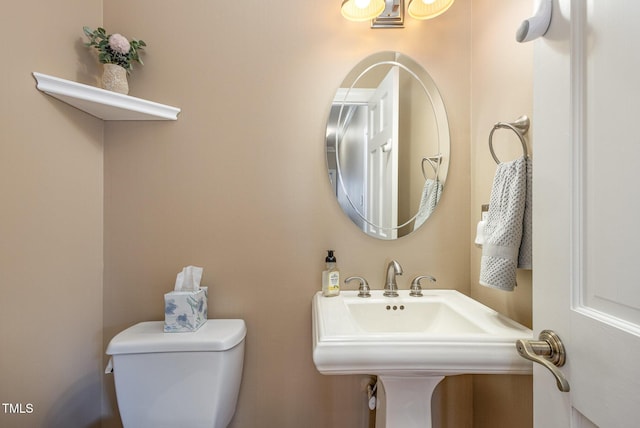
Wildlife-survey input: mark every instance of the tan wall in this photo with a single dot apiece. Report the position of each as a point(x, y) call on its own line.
point(51, 181)
point(239, 186)
point(502, 86)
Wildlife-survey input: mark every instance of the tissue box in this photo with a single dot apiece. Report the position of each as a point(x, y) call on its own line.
point(185, 310)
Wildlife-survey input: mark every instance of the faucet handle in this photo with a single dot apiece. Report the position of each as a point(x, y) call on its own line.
point(363, 290)
point(416, 289)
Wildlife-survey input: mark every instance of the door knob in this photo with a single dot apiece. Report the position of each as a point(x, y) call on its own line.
point(548, 350)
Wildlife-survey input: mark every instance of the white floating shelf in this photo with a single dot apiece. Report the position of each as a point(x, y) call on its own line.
point(106, 105)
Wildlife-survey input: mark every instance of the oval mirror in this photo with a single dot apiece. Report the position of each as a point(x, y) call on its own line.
point(387, 145)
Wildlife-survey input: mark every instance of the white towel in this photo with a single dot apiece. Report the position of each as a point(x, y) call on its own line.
point(525, 255)
point(503, 231)
point(431, 192)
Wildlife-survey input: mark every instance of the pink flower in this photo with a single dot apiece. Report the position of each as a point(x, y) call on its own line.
point(119, 43)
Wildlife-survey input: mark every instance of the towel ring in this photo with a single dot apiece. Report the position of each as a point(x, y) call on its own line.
point(435, 162)
point(520, 127)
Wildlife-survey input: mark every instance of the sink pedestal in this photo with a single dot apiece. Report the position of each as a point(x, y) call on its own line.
point(405, 401)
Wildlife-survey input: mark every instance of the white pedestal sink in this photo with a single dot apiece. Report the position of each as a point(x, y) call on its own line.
point(411, 343)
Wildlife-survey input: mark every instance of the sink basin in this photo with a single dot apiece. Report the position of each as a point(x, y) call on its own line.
point(442, 333)
point(436, 317)
point(411, 343)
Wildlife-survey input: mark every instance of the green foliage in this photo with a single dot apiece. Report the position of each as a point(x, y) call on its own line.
point(99, 39)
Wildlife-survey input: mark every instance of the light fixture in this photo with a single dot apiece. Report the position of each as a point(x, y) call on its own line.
point(390, 13)
point(427, 9)
point(362, 10)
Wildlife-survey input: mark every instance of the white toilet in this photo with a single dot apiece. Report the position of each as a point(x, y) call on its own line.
point(178, 379)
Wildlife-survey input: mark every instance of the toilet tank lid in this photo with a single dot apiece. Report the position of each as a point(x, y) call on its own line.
point(149, 337)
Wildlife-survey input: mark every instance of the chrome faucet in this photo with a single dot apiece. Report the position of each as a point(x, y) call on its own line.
point(390, 286)
point(364, 290)
point(416, 288)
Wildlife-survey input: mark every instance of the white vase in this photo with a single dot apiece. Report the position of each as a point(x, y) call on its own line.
point(114, 78)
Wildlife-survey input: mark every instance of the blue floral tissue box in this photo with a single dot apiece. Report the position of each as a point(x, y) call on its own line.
point(185, 311)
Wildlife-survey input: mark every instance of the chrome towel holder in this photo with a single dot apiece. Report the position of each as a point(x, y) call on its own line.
point(520, 127)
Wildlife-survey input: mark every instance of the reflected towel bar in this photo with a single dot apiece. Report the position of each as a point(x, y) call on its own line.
point(435, 162)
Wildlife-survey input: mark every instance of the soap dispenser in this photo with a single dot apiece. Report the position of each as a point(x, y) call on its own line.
point(330, 276)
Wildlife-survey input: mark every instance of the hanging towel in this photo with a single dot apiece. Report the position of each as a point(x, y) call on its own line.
point(525, 254)
point(431, 192)
point(503, 231)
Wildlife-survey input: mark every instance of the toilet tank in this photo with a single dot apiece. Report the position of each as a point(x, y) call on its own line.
point(178, 379)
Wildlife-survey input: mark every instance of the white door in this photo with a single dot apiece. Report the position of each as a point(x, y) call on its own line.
point(382, 158)
point(586, 188)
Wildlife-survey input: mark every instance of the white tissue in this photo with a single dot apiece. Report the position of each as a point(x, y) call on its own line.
point(189, 279)
point(479, 241)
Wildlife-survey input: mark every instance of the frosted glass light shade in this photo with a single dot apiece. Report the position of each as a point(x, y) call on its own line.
point(362, 10)
point(427, 9)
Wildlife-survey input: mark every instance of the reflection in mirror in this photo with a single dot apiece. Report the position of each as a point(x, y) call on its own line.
point(387, 145)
